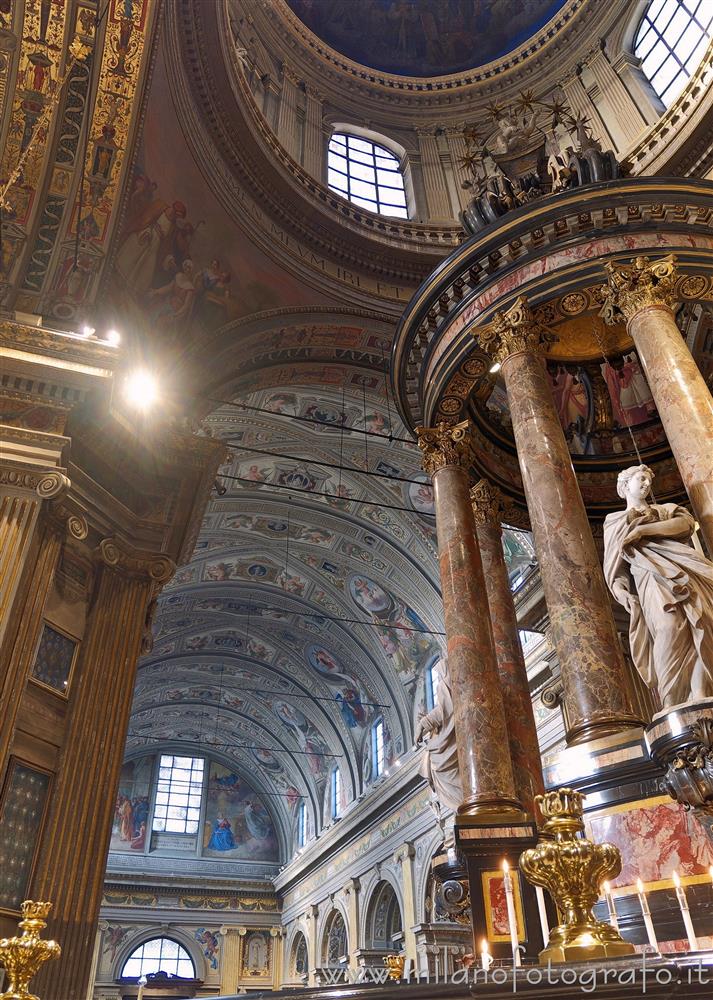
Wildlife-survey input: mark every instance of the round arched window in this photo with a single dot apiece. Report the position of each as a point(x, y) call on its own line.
point(671, 40)
point(366, 173)
point(160, 954)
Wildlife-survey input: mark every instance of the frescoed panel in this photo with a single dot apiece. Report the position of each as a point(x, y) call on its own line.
point(131, 812)
point(237, 823)
point(54, 659)
point(496, 907)
point(655, 838)
point(21, 815)
point(257, 955)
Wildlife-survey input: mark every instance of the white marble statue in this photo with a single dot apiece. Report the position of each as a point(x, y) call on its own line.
point(667, 588)
point(440, 760)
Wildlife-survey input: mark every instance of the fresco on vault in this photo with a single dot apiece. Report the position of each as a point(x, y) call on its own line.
point(237, 824)
point(349, 693)
point(424, 37)
point(311, 743)
point(181, 266)
point(405, 638)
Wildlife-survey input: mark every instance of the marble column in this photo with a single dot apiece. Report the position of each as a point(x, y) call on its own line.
point(405, 857)
point(593, 674)
point(478, 711)
point(644, 295)
point(75, 841)
point(313, 956)
point(488, 508)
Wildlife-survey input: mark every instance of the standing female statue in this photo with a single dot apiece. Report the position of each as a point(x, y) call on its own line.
point(440, 760)
point(667, 588)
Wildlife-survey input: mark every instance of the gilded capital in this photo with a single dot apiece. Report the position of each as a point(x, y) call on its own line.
point(487, 502)
point(629, 289)
point(134, 562)
point(445, 444)
point(513, 331)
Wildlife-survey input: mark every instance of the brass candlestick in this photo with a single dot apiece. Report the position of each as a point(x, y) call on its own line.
point(23, 956)
point(572, 869)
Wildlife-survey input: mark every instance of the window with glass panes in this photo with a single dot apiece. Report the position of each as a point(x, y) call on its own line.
point(367, 174)
point(431, 688)
point(671, 40)
point(301, 825)
point(159, 955)
point(377, 748)
point(336, 792)
point(178, 794)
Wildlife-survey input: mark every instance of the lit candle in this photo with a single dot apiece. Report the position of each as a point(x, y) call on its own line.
point(542, 910)
point(142, 986)
point(685, 913)
point(512, 918)
point(613, 919)
point(486, 958)
point(648, 923)
point(710, 872)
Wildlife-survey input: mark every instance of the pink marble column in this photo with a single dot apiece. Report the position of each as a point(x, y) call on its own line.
point(488, 507)
point(583, 631)
point(479, 713)
point(644, 295)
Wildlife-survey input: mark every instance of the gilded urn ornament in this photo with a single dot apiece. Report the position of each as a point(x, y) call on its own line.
point(395, 965)
point(572, 869)
point(23, 956)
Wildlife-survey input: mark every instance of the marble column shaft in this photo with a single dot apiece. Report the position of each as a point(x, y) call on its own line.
point(583, 630)
point(75, 841)
point(644, 294)
point(478, 711)
point(404, 857)
point(522, 731)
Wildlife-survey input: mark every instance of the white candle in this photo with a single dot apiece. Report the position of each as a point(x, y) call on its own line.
point(613, 919)
point(710, 872)
point(512, 918)
point(542, 910)
point(685, 913)
point(486, 958)
point(648, 923)
point(142, 987)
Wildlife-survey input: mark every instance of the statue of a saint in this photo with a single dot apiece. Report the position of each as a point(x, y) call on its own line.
point(440, 760)
point(667, 588)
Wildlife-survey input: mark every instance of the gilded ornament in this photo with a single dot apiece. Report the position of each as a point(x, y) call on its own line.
point(572, 869)
point(395, 964)
point(629, 289)
point(513, 331)
point(693, 286)
point(445, 445)
point(23, 956)
point(487, 503)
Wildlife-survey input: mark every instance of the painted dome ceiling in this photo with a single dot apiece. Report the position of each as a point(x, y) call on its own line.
point(424, 38)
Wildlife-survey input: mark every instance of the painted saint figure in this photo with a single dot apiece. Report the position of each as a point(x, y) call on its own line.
point(221, 839)
point(667, 588)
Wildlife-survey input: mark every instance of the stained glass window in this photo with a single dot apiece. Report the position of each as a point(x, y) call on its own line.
point(377, 748)
point(178, 794)
point(367, 174)
point(671, 40)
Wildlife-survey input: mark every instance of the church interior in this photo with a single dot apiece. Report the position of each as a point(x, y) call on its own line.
point(356, 497)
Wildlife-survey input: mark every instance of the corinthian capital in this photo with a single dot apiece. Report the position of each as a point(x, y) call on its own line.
point(513, 331)
point(487, 502)
point(629, 289)
point(445, 444)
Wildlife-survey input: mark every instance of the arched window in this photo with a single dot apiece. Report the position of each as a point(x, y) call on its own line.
point(431, 688)
point(671, 40)
point(366, 173)
point(301, 825)
point(336, 793)
point(377, 748)
point(178, 794)
point(159, 955)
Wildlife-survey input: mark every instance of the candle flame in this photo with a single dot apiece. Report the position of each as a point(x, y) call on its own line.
point(639, 885)
point(710, 871)
point(484, 947)
point(606, 886)
point(676, 880)
point(506, 866)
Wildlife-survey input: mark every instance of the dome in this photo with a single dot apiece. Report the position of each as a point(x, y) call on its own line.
point(425, 38)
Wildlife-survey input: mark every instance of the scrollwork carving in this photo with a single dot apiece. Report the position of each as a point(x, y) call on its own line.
point(134, 562)
point(52, 485)
point(513, 331)
point(445, 445)
point(629, 289)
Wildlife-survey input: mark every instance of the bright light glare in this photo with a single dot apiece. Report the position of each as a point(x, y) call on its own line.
point(495, 367)
point(141, 390)
point(113, 337)
point(87, 331)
